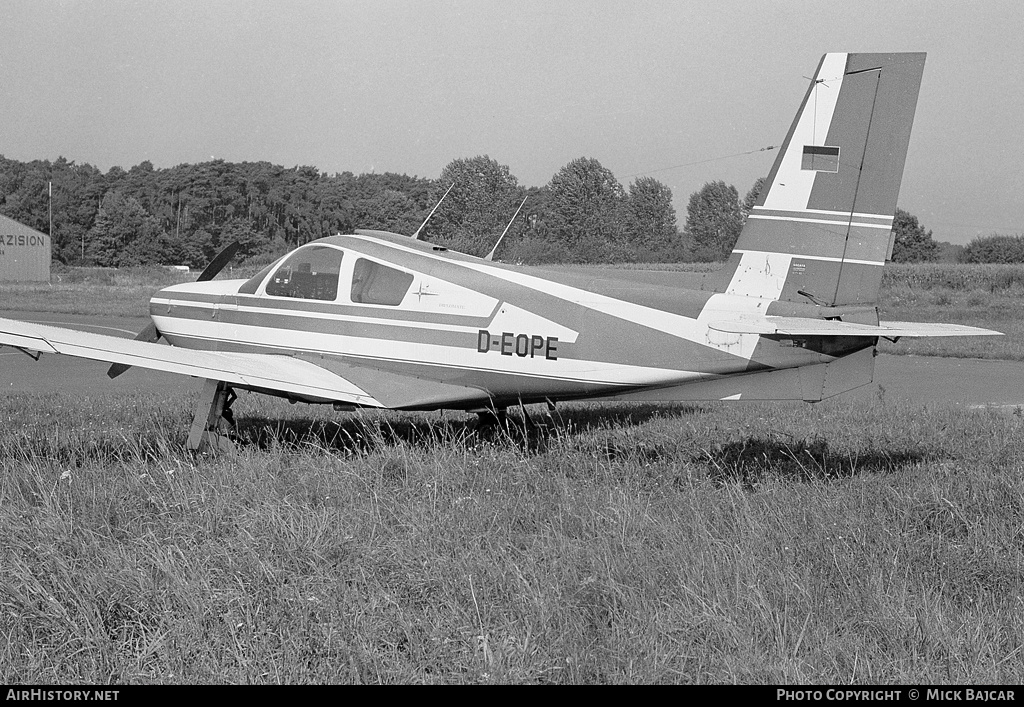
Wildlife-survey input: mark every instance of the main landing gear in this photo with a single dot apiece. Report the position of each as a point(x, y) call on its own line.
point(213, 427)
point(497, 417)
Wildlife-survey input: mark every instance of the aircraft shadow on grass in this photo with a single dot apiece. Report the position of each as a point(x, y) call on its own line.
point(748, 461)
point(757, 459)
point(531, 432)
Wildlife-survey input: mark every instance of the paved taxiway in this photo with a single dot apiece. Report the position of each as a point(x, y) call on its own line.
point(923, 380)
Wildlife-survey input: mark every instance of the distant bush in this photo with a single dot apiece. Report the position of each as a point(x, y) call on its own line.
point(911, 242)
point(950, 252)
point(995, 249)
point(991, 278)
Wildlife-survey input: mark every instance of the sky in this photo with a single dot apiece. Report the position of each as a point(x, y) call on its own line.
point(686, 92)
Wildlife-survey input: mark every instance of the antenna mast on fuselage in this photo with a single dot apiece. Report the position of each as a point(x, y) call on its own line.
point(490, 256)
point(417, 234)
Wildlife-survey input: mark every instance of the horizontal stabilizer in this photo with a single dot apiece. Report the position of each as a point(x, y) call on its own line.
point(805, 326)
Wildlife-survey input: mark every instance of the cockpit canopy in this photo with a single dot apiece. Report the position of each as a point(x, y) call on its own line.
point(321, 272)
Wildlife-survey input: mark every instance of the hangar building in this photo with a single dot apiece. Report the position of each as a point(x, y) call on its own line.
point(24, 253)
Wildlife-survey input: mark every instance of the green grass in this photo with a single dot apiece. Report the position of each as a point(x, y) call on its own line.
point(626, 544)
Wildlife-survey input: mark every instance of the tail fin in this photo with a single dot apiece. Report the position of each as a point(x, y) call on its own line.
point(822, 227)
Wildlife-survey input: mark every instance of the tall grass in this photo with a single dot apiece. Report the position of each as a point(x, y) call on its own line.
point(618, 544)
point(1003, 279)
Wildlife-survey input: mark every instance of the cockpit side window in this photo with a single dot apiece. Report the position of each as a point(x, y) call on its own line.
point(308, 273)
point(373, 283)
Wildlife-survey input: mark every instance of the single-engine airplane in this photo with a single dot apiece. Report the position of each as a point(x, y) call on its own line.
point(376, 319)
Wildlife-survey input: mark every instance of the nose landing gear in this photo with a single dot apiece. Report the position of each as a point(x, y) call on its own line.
point(213, 427)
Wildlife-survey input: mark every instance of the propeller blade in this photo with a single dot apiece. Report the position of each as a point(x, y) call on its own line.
point(149, 334)
point(217, 264)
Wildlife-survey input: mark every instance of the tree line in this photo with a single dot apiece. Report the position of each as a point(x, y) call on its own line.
point(185, 214)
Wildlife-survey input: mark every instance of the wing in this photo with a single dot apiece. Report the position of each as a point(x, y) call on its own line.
point(259, 371)
point(805, 326)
